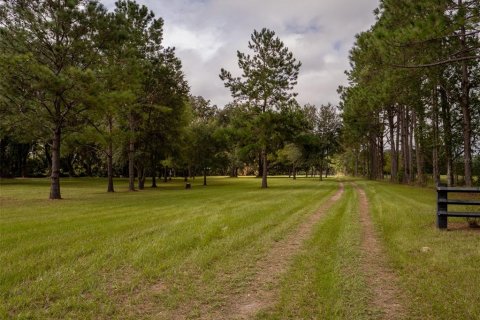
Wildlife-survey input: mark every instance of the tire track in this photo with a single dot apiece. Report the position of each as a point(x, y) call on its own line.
point(262, 291)
point(387, 297)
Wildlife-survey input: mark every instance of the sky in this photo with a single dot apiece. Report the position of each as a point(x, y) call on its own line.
point(208, 33)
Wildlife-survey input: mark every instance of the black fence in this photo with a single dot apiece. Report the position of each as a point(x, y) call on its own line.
point(443, 201)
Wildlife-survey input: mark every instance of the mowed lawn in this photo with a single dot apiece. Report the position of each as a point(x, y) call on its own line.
point(163, 252)
point(141, 254)
point(438, 270)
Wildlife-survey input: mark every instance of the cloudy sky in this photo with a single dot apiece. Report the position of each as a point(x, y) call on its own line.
point(208, 33)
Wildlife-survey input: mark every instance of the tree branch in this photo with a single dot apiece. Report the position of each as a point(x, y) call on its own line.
point(437, 63)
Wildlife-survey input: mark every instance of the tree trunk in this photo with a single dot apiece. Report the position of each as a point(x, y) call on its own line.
point(110, 167)
point(141, 176)
point(48, 158)
point(418, 129)
point(165, 174)
point(372, 159)
point(264, 167)
point(380, 156)
point(260, 165)
point(447, 132)
point(465, 104)
point(321, 169)
point(357, 151)
point(410, 146)
point(204, 176)
point(131, 156)
point(55, 177)
point(397, 143)
point(153, 166)
point(405, 147)
point(131, 165)
point(154, 179)
point(294, 171)
point(393, 150)
point(436, 169)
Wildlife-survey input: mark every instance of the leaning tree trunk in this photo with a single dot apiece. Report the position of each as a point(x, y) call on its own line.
point(264, 167)
point(55, 177)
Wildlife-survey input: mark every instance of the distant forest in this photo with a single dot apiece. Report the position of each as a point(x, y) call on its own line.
point(90, 92)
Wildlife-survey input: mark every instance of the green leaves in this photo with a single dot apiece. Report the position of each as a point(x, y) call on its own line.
point(269, 74)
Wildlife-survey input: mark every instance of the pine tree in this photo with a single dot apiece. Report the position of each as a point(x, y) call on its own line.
point(268, 78)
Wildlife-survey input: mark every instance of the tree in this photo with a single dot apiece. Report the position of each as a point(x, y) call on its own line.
point(47, 53)
point(143, 40)
point(205, 145)
point(164, 103)
point(268, 78)
point(291, 155)
point(412, 86)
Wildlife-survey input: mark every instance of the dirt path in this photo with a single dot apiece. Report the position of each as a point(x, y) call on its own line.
point(380, 278)
point(261, 292)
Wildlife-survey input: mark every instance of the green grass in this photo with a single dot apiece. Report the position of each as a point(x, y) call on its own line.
point(131, 255)
point(146, 254)
point(325, 280)
point(439, 270)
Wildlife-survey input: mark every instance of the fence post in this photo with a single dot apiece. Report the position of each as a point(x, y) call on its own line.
point(442, 207)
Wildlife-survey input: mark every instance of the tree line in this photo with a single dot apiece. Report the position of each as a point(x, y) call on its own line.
point(87, 91)
point(411, 109)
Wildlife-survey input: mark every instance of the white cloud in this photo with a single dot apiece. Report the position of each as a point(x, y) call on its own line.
point(208, 33)
point(205, 44)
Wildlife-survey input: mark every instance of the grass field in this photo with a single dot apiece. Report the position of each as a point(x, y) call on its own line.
point(98, 255)
point(440, 270)
point(149, 253)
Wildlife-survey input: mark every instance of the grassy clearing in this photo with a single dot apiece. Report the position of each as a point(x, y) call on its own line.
point(439, 270)
point(142, 254)
point(154, 253)
point(325, 280)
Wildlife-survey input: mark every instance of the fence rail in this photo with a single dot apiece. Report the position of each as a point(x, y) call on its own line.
point(443, 201)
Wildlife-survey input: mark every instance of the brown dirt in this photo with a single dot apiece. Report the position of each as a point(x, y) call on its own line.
point(261, 292)
point(387, 297)
point(462, 226)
